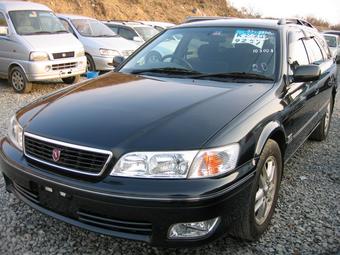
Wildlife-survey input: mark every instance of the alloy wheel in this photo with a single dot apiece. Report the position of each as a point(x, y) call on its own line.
point(18, 80)
point(265, 194)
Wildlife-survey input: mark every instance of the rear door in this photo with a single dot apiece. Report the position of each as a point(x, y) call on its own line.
point(319, 55)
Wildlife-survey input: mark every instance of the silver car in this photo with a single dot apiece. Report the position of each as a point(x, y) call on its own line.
point(35, 46)
point(101, 43)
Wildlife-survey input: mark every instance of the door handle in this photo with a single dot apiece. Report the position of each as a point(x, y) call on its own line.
point(317, 91)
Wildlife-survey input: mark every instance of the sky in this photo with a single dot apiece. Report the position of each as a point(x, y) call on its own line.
point(328, 10)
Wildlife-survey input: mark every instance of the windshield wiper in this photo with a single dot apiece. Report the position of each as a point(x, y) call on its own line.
point(60, 31)
point(39, 33)
point(168, 70)
point(238, 75)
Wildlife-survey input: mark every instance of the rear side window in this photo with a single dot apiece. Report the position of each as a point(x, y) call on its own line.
point(297, 55)
point(3, 21)
point(314, 51)
point(324, 48)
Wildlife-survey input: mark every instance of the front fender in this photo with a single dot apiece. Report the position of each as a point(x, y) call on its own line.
point(273, 129)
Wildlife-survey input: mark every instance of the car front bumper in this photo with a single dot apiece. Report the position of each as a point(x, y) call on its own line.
point(144, 212)
point(103, 63)
point(55, 69)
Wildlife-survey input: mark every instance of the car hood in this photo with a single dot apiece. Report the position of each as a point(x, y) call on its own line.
point(114, 43)
point(51, 43)
point(126, 112)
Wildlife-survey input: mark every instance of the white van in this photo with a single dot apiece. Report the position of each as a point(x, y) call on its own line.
point(35, 46)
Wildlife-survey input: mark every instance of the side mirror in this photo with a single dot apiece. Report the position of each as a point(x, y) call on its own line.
point(137, 39)
point(305, 73)
point(3, 31)
point(117, 60)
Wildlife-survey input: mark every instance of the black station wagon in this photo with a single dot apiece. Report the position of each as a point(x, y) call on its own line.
point(185, 141)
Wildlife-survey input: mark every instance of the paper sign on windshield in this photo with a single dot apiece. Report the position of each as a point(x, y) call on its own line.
point(253, 37)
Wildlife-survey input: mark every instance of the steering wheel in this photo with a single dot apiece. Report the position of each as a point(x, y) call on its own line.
point(180, 60)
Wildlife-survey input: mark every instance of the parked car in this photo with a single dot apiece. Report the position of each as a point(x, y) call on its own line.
point(181, 151)
point(101, 44)
point(133, 31)
point(160, 26)
point(333, 42)
point(34, 46)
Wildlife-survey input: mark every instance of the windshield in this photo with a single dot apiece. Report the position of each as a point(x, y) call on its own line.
point(36, 22)
point(146, 32)
point(331, 41)
point(208, 51)
point(92, 28)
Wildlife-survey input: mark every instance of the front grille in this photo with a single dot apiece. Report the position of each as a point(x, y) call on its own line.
point(59, 55)
point(141, 228)
point(71, 157)
point(64, 66)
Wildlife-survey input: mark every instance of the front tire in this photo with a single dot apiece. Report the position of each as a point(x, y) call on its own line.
point(90, 63)
point(18, 81)
point(264, 194)
point(71, 80)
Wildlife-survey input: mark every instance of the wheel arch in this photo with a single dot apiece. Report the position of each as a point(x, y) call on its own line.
point(273, 130)
point(15, 64)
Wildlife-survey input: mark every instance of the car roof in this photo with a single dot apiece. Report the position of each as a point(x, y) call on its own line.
point(127, 23)
point(333, 32)
point(267, 23)
point(21, 6)
point(158, 23)
point(71, 16)
point(277, 24)
point(331, 35)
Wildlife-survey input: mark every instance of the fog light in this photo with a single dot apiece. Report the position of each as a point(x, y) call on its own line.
point(47, 68)
point(193, 229)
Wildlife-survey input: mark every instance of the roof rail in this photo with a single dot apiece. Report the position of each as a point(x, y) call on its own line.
point(125, 21)
point(285, 21)
point(191, 19)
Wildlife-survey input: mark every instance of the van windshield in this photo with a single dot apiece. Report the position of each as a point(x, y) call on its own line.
point(36, 22)
point(92, 28)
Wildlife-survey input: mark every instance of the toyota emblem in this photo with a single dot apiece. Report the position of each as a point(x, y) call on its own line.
point(56, 154)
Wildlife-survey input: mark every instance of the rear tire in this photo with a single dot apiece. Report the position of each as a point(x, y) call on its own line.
point(321, 132)
point(264, 193)
point(18, 81)
point(71, 80)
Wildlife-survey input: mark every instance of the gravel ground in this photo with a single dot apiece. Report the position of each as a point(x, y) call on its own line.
point(307, 218)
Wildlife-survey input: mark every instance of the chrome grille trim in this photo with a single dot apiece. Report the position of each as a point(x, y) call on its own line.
point(73, 146)
point(63, 66)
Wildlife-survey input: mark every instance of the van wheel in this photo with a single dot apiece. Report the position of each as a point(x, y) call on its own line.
point(264, 193)
point(321, 132)
point(90, 63)
point(71, 80)
point(18, 81)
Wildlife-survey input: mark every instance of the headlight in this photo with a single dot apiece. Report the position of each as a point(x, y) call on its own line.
point(80, 53)
point(109, 53)
point(15, 132)
point(39, 56)
point(178, 164)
